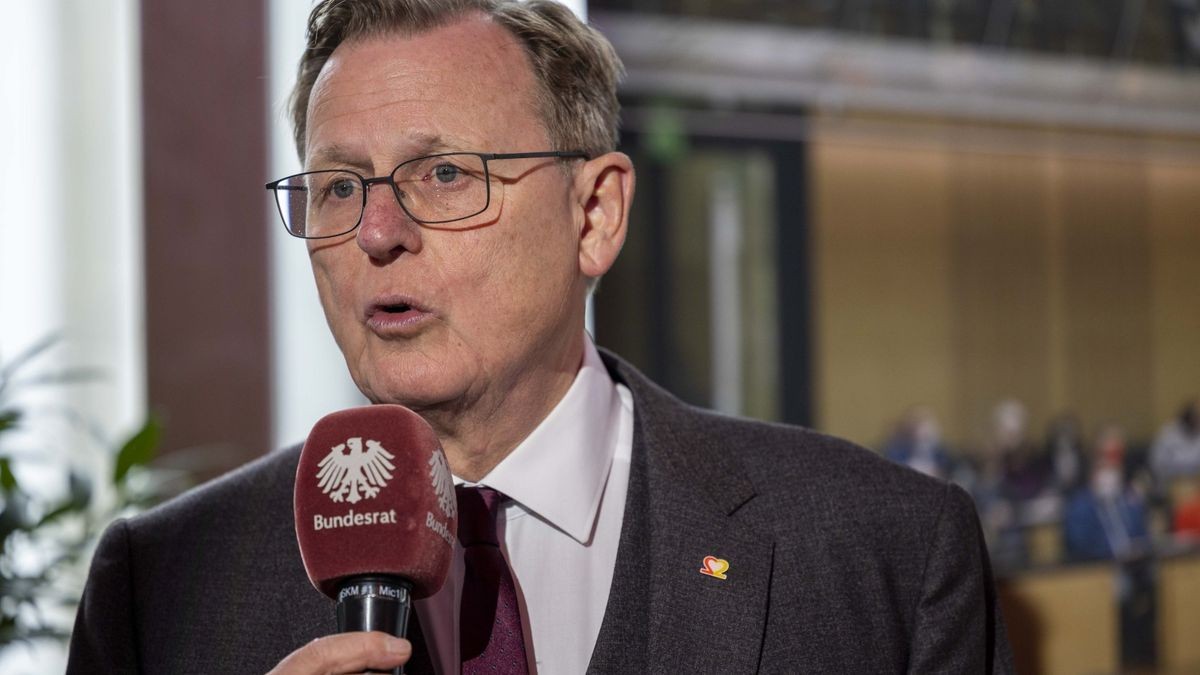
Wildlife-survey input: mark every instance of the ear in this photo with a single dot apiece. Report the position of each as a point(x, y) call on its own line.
point(603, 192)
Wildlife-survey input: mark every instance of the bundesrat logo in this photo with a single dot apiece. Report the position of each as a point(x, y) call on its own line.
point(443, 484)
point(351, 472)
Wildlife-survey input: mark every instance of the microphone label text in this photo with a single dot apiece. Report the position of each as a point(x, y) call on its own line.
point(439, 527)
point(352, 519)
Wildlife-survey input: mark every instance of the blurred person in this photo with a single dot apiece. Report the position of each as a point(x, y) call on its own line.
point(1176, 449)
point(1065, 450)
point(1106, 519)
point(1186, 524)
point(1026, 473)
point(461, 197)
point(1017, 484)
point(916, 443)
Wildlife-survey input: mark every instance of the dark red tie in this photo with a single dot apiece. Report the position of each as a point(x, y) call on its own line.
point(490, 625)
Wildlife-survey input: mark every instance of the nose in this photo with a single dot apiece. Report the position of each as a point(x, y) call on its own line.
point(386, 230)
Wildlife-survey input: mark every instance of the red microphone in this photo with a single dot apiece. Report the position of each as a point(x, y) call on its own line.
point(376, 514)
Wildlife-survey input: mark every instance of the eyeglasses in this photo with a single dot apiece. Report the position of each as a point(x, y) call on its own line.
point(433, 190)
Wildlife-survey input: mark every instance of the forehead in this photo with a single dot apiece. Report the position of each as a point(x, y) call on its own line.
point(464, 86)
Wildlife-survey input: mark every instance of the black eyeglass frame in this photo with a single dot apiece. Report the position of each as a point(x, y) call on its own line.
point(277, 186)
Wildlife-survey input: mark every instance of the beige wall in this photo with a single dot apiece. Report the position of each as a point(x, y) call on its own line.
point(958, 265)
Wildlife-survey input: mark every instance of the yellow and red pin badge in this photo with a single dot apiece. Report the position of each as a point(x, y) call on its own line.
point(714, 567)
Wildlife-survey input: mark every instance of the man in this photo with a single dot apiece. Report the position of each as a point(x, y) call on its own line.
point(461, 196)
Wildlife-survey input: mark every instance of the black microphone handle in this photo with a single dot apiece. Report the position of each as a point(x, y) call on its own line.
point(374, 602)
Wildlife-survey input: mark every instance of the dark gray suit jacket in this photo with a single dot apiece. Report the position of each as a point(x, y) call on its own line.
point(839, 562)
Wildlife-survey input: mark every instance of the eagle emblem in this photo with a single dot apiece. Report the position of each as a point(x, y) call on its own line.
point(351, 472)
point(443, 484)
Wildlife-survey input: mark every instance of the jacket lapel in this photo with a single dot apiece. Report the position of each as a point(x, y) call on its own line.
point(699, 622)
point(623, 645)
point(663, 614)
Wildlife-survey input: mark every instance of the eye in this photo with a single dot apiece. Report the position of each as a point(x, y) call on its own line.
point(343, 188)
point(446, 173)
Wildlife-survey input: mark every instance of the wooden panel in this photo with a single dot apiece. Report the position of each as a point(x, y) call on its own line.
point(1063, 622)
point(1106, 249)
point(955, 266)
point(206, 258)
point(881, 284)
point(1045, 542)
point(1174, 217)
point(1000, 285)
point(1179, 615)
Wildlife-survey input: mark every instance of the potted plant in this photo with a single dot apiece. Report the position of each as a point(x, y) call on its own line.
point(47, 536)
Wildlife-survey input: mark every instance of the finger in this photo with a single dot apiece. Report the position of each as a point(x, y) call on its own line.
point(346, 653)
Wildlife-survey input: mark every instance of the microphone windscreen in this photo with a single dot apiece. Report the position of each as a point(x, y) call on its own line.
point(374, 495)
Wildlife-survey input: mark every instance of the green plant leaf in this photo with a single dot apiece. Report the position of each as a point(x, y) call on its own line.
point(11, 521)
point(28, 355)
point(138, 450)
point(60, 511)
point(80, 488)
point(66, 376)
point(8, 481)
point(9, 419)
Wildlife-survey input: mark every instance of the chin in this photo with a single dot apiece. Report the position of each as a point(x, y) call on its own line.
point(410, 388)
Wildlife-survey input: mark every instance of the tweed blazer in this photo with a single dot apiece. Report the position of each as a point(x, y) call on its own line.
point(839, 562)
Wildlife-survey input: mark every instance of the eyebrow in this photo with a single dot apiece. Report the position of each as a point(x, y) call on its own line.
point(416, 145)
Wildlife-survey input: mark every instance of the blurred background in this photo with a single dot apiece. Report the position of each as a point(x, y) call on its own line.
point(963, 233)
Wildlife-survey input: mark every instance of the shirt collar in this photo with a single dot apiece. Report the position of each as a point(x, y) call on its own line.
point(559, 471)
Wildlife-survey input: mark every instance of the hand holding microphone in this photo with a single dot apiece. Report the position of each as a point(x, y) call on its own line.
point(376, 517)
point(346, 653)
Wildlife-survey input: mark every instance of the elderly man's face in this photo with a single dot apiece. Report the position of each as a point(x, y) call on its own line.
point(440, 318)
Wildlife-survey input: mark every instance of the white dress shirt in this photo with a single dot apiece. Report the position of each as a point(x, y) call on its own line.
point(566, 484)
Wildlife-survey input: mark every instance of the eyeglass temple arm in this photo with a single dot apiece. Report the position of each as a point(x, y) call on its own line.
point(532, 155)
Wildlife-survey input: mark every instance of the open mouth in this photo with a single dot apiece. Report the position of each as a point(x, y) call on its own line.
point(395, 315)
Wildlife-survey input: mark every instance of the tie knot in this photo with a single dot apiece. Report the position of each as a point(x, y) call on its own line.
point(477, 511)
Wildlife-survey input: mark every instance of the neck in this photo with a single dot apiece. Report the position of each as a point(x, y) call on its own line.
point(478, 435)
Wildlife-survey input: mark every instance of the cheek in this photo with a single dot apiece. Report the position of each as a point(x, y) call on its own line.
point(477, 272)
point(506, 282)
point(530, 246)
point(334, 288)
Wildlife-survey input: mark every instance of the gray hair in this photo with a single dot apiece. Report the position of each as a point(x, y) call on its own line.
point(576, 68)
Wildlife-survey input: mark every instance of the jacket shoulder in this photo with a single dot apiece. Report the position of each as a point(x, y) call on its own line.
point(777, 459)
point(254, 496)
point(167, 585)
point(254, 481)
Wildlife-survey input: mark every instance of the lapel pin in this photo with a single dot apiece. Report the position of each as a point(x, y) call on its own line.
point(714, 567)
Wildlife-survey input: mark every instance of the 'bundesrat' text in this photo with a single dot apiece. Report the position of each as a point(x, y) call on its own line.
point(351, 519)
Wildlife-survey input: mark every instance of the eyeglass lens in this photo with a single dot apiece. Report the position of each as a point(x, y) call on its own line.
point(437, 189)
